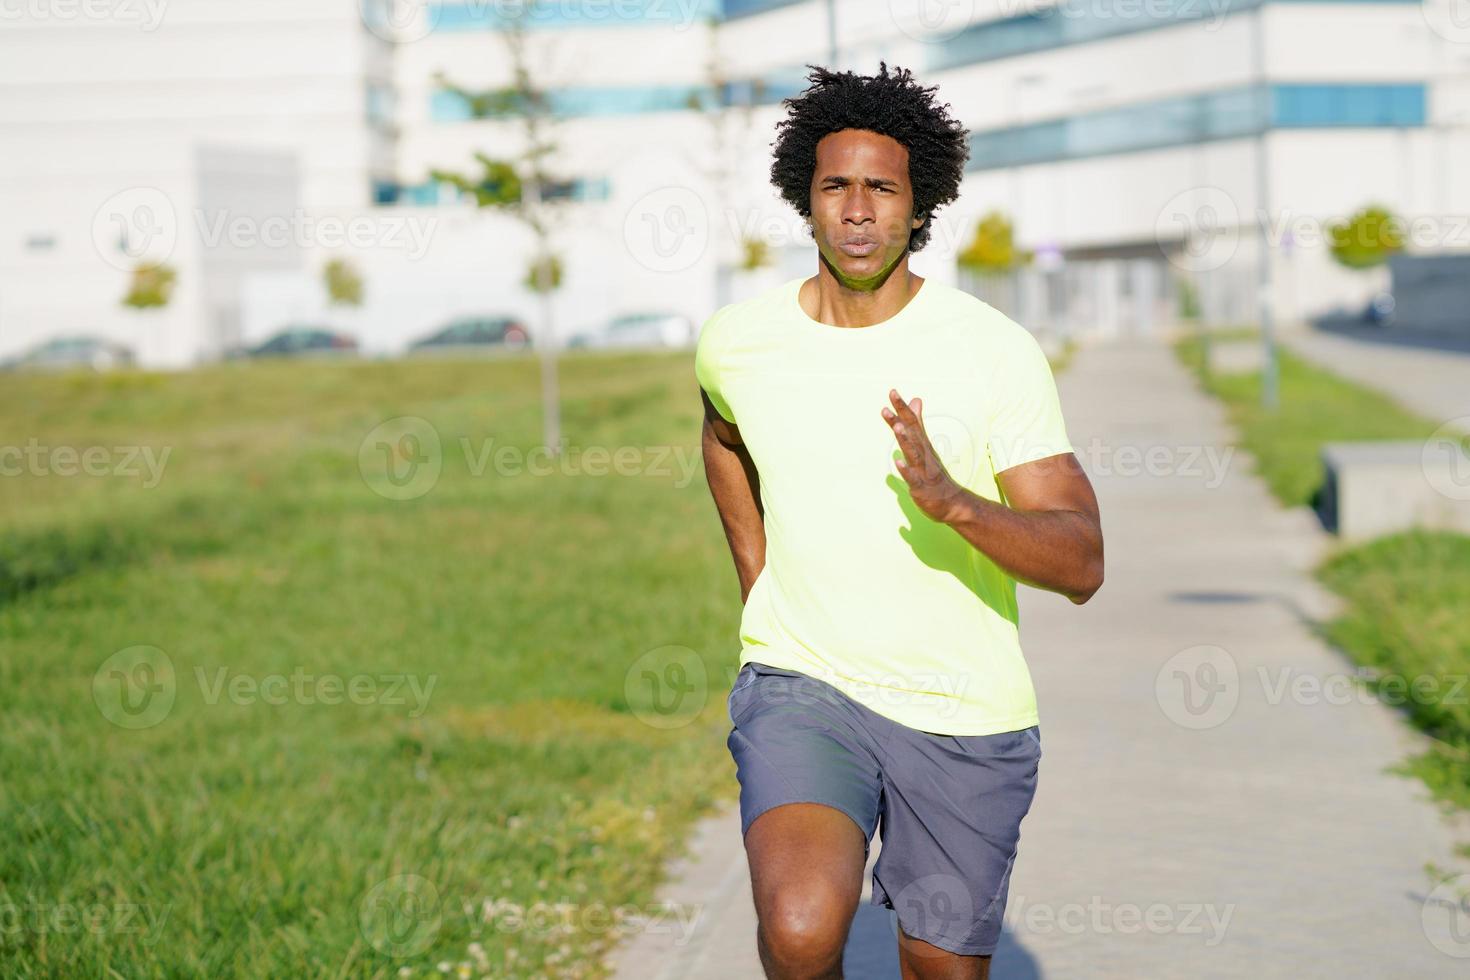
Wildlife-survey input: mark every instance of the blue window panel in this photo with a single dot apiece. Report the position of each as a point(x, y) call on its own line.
point(421, 194)
point(1018, 145)
point(591, 189)
point(448, 107)
point(483, 15)
point(1076, 22)
point(424, 194)
point(768, 89)
point(1238, 112)
point(375, 14)
point(579, 189)
point(745, 8)
point(1198, 119)
point(627, 101)
point(1071, 22)
point(380, 102)
point(1167, 122)
point(998, 39)
point(433, 192)
point(1120, 130)
point(1310, 106)
point(454, 17)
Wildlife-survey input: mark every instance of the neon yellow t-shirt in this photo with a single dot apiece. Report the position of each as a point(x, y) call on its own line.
point(860, 588)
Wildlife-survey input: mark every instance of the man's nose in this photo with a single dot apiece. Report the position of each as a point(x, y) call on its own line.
point(857, 208)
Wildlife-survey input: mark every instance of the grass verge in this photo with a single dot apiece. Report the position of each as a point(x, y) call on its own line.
point(269, 716)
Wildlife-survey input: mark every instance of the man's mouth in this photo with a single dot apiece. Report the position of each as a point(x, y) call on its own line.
point(858, 245)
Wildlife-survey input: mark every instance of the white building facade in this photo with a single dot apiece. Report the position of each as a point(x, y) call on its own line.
point(1134, 143)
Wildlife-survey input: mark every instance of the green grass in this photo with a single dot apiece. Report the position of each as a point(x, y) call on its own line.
point(1405, 595)
point(1315, 407)
point(239, 837)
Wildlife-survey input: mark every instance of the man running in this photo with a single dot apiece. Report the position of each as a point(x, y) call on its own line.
point(888, 458)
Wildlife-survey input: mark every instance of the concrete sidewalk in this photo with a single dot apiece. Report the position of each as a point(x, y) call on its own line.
point(1213, 801)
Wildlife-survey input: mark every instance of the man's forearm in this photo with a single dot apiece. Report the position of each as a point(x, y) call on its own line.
point(735, 486)
point(1056, 550)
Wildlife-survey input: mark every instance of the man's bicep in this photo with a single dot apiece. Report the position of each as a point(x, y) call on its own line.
point(725, 430)
point(1052, 483)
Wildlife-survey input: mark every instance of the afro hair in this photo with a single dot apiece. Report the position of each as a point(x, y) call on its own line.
point(892, 104)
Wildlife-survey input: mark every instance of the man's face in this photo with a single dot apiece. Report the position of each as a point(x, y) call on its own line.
point(862, 205)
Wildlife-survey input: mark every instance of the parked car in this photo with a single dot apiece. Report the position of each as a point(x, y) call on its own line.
point(1379, 311)
point(70, 353)
point(470, 334)
point(304, 341)
point(646, 329)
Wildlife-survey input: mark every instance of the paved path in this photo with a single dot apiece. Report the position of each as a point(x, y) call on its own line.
point(1433, 382)
point(1176, 832)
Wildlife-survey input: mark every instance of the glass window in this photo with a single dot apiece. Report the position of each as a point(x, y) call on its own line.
point(1071, 22)
point(744, 8)
point(384, 192)
point(380, 101)
point(1348, 105)
point(1197, 118)
point(478, 15)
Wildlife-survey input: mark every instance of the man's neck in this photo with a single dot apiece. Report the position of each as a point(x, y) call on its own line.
point(826, 299)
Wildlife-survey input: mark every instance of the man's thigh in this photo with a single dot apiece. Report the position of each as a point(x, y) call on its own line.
point(797, 740)
point(810, 791)
point(806, 867)
point(952, 814)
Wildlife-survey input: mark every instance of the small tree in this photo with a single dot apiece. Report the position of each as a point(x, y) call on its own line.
point(993, 252)
point(518, 187)
point(544, 275)
point(1188, 299)
point(729, 121)
point(1367, 238)
point(993, 262)
point(755, 253)
point(344, 283)
point(152, 286)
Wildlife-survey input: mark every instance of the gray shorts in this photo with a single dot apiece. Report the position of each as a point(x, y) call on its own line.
point(951, 805)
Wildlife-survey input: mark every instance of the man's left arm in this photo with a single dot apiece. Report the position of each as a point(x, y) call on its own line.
point(1048, 534)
